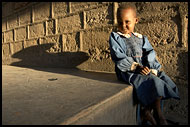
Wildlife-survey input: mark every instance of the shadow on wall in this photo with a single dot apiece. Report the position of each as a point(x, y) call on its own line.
point(37, 57)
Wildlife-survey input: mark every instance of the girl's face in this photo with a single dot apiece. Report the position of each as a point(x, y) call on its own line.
point(127, 21)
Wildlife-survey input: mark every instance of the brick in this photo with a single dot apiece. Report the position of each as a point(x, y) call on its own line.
point(25, 17)
point(5, 50)
point(8, 36)
point(51, 27)
point(60, 9)
point(68, 24)
point(71, 42)
point(99, 17)
point(41, 11)
point(18, 46)
point(96, 38)
point(29, 43)
point(12, 22)
point(20, 33)
point(79, 6)
point(36, 30)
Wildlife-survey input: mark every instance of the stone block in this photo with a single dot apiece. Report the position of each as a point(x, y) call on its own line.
point(29, 43)
point(79, 6)
point(101, 16)
point(25, 17)
point(50, 39)
point(50, 27)
point(96, 44)
point(20, 33)
point(96, 38)
point(12, 22)
point(41, 11)
point(60, 8)
point(5, 50)
point(69, 24)
point(71, 42)
point(8, 36)
point(36, 30)
point(159, 32)
point(156, 11)
point(16, 47)
point(54, 40)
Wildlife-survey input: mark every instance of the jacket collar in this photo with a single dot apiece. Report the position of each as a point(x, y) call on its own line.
point(128, 35)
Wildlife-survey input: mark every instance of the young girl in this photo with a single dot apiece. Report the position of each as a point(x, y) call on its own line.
point(136, 64)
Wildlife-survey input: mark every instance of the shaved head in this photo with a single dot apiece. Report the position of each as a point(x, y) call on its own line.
point(124, 7)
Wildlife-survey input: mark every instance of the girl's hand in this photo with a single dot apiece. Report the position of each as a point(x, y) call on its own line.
point(143, 70)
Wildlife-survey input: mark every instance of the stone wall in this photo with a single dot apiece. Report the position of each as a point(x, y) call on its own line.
point(76, 34)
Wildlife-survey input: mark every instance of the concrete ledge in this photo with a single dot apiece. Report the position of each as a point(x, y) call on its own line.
point(57, 96)
point(115, 110)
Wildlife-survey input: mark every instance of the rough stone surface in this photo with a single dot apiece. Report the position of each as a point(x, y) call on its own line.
point(78, 34)
point(97, 17)
point(20, 33)
point(12, 22)
point(69, 24)
point(8, 36)
point(96, 38)
point(52, 40)
point(18, 46)
point(60, 8)
point(5, 50)
point(44, 8)
point(76, 6)
point(50, 27)
point(29, 43)
point(71, 42)
point(36, 30)
point(25, 17)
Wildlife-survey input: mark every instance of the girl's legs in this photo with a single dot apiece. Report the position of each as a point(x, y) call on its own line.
point(158, 113)
point(147, 116)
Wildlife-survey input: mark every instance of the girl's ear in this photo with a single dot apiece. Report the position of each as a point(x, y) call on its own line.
point(136, 20)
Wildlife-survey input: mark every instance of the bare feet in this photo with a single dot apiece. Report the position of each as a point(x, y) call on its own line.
point(163, 122)
point(160, 119)
point(147, 116)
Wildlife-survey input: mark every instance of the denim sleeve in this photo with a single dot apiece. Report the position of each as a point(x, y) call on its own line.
point(149, 55)
point(122, 61)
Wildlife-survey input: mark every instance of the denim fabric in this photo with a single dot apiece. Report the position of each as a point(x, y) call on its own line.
point(124, 51)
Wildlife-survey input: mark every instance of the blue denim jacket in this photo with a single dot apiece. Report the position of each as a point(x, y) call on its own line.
point(125, 51)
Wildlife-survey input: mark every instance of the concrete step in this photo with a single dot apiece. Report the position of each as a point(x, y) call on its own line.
point(57, 96)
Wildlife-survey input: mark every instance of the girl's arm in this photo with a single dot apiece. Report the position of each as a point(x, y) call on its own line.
point(118, 55)
point(149, 56)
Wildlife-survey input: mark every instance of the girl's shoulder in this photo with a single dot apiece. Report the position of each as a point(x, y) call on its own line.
point(138, 35)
